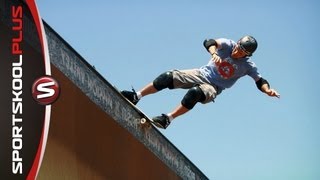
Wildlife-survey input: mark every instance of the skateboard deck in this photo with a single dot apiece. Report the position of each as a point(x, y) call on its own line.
point(144, 119)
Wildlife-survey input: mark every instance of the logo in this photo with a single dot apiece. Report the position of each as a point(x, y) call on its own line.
point(227, 68)
point(45, 90)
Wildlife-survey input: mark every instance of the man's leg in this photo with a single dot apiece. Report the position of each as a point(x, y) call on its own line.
point(178, 111)
point(193, 96)
point(164, 80)
point(148, 89)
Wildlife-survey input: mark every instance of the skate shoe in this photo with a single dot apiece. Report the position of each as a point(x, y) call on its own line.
point(161, 121)
point(131, 96)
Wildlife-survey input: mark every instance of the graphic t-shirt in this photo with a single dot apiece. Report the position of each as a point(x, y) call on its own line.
point(229, 70)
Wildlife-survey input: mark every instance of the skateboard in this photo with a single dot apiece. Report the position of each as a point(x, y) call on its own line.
point(144, 119)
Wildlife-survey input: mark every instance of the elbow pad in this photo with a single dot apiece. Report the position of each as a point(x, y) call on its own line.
point(261, 82)
point(208, 43)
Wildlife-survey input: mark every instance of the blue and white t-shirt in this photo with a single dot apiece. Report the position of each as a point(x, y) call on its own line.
point(230, 70)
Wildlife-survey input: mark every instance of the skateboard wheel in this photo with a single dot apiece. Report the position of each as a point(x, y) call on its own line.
point(143, 120)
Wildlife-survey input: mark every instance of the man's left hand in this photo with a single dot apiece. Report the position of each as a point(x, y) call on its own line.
point(272, 93)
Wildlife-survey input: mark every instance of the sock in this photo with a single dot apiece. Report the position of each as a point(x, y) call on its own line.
point(170, 117)
point(139, 95)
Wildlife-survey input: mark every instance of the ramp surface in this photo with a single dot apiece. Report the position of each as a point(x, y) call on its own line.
point(94, 133)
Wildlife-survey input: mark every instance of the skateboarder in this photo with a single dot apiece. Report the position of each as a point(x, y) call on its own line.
point(229, 61)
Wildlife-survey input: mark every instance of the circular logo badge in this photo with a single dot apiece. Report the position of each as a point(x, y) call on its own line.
point(45, 90)
point(226, 70)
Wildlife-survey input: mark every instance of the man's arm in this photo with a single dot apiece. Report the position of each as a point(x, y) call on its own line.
point(264, 86)
point(212, 45)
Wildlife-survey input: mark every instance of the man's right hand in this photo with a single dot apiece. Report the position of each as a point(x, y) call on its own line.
point(216, 59)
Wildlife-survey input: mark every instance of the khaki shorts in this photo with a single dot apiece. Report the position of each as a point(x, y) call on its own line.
point(187, 79)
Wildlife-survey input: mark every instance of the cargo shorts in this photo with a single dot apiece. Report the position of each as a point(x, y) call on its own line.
point(187, 79)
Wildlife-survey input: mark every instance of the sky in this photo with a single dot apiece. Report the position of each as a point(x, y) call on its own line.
point(245, 134)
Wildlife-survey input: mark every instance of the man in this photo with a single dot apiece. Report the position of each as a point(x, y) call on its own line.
point(230, 61)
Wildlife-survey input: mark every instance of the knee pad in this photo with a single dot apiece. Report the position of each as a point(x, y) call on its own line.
point(164, 80)
point(193, 96)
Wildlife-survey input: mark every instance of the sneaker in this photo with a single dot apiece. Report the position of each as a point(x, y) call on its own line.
point(131, 96)
point(161, 121)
